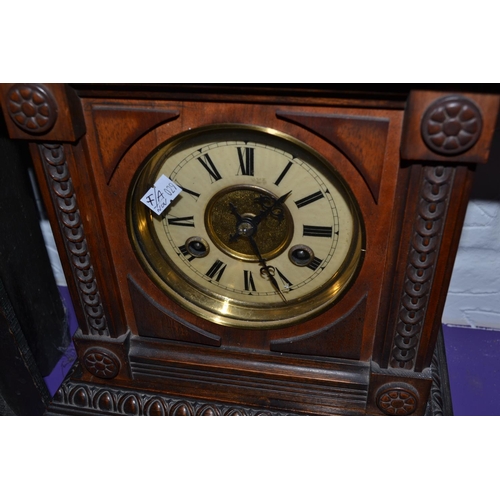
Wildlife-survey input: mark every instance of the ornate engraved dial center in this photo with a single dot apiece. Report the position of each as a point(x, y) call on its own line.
point(272, 233)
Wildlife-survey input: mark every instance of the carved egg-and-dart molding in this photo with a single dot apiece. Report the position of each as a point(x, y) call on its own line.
point(451, 125)
point(32, 108)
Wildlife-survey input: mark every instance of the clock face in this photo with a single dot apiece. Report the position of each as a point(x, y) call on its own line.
point(264, 233)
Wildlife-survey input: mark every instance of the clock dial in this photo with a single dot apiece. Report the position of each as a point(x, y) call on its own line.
point(264, 232)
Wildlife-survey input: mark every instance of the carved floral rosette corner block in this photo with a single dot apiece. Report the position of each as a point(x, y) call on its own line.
point(101, 362)
point(397, 399)
point(64, 198)
point(32, 108)
point(451, 125)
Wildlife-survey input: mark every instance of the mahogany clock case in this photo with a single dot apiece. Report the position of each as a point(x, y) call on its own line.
point(408, 161)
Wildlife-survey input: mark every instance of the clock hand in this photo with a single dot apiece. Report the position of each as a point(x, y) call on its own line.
point(264, 213)
point(268, 270)
point(248, 225)
point(234, 211)
point(242, 225)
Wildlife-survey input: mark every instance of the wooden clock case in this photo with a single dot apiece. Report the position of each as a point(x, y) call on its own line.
point(407, 157)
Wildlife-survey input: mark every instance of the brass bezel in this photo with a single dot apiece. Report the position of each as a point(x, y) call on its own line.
point(215, 307)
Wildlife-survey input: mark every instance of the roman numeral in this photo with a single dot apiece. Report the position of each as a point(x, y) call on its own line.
point(319, 231)
point(181, 221)
point(209, 166)
point(309, 199)
point(246, 161)
point(314, 264)
point(282, 175)
point(194, 194)
point(283, 278)
point(185, 252)
point(249, 283)
point(217, 270)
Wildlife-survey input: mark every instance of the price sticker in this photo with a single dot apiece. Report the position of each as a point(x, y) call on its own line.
point(159, 197)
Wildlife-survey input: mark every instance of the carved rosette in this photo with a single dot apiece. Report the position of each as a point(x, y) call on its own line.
point(63, 195)
point(32, 108)
point(101, 362)
point(74, 397)
point(451, 125)
point(393, 399)
point(422, 256)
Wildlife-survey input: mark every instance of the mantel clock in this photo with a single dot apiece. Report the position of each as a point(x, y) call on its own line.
point(246, 251)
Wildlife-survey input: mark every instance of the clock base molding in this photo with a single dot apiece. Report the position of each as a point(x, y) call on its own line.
point(76, 397)
point(179, 386)
point(266, 381)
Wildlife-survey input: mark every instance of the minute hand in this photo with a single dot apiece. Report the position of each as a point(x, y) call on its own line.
point(266, 268)
point(264, 213)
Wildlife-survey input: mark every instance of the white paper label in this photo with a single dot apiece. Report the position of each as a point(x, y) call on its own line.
point(159, 197)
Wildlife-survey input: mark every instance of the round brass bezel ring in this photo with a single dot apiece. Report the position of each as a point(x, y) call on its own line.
point(215, 306)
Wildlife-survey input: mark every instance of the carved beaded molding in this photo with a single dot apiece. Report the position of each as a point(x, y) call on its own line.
point(423, 253)
point(394, 399)
point(451, 125)
point(75, 397)
point(64, 198)
point(32, 108)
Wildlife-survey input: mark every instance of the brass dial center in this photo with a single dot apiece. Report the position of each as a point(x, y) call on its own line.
point(234, 214)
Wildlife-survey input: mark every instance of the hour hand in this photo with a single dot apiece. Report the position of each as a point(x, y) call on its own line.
point(239, 219)
point(235, 212)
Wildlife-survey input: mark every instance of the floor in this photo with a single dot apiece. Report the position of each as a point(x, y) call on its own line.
point(473, 357)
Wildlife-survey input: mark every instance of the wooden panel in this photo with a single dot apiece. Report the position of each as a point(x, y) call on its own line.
point(155, 321)
point(342, 339)
point(122, 126)
point(361, 138)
